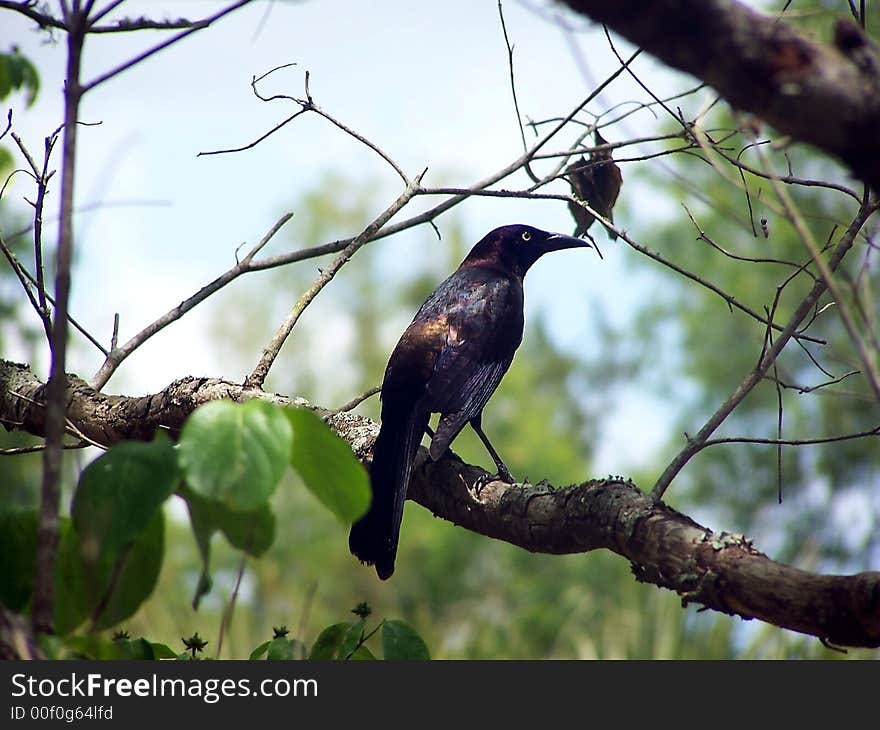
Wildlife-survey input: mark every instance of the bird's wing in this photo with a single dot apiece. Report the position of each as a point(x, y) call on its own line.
point(475, 393)
point(483, 330)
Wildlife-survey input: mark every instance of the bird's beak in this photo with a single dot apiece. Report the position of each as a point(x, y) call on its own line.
point(559, 241)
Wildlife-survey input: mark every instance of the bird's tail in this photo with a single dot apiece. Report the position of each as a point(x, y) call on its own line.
point(373, 538)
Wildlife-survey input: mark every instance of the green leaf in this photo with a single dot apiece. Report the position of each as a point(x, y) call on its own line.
point(7, 161)
point(400, 641)
point(18, 554)
point(95, 647)
point(71, 601)
point(138, 575)
point(352, 639)
point(17, 72)
point(108, 590)
point(361, 653)
point(235, 453)
point(328, 467)
point(327, 644)
point(282, 648)
point(163, 651)
point(5, 77)
point(120, 492)
point(252, 532)
point(260, 650)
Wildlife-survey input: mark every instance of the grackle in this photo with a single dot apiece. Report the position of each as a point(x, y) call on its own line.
point(449, 361)
point(597, 183)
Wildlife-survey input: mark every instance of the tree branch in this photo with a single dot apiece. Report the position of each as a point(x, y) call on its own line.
point(825, 95)
point(721, 571)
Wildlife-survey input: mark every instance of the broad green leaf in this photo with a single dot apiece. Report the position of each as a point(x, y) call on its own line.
point(111, 589)
point(361, 653)
point(71, 593)
point(138, 575)
point(400, 641)
point(327, 644)
point(253, 532)
point(260, 650)
point(134, 649)
point(352, 639)
point(120, 492)
point(163, 651)
point(18, 552)
point(235, 453)
point(95, 647)
point(328, 467)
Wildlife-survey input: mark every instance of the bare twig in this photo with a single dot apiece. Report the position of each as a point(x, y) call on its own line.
point(519, 123)
point(18, 450)
point(29, 10)
point(118, 354)
point(230, 606)
point(754, 377)
point(41, 175)
point(791, 442)
point(197, 26)
point(258, 376)
point(806, 236)
point(358, 399)
point(27, 280)
point(306, 105)
point(803, 389)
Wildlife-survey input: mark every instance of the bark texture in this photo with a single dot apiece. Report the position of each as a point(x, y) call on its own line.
point(825, 95)
point(720, 571)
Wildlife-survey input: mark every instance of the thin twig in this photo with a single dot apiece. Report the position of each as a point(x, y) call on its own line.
point(306, 610)
point(197, 26)
point(703, 236)
point(694, 445)
point(230, 606)
point(306, 105)
point(258, 376)
point(36, 448)
point(806, 236)
point(118, 354)
point(519, 124)
point(804, 389)
point(27, 280)
point(28, 9)
point(791, 442)
point(358, 399)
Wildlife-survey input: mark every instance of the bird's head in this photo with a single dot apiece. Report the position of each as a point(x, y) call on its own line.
point(516, 247)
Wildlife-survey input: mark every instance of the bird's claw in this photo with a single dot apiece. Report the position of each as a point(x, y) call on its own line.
point(503, 475)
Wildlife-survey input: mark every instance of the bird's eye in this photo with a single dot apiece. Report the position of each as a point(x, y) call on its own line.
point(526, 235)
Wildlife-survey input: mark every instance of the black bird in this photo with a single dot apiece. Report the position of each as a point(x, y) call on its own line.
point(449, 361)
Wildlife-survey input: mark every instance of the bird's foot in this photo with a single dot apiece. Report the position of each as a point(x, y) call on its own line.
point(503, 475)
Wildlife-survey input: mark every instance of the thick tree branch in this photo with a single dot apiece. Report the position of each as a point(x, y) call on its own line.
point(720, 571)
point(825, 95)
